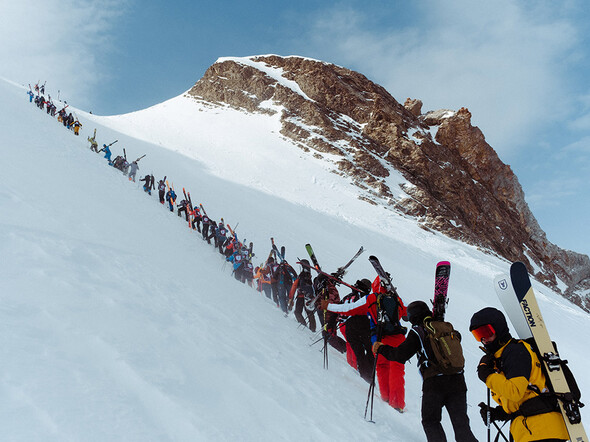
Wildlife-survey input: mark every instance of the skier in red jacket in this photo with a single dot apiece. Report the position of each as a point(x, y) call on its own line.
point(389, 331)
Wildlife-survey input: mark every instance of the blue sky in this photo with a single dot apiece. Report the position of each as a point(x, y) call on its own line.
point(521, 67)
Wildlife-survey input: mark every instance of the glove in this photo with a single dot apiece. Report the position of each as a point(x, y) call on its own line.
point(485, 367)
point(496, 413)
point(376, 346)
point(324, 303)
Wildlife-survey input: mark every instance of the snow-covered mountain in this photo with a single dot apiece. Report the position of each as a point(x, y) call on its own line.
point(119, 323)
point(454, 182)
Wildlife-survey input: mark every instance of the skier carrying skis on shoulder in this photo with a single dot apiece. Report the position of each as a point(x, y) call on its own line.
point(171, 198)
point(512, 371)
point(328, 294)
point(133, 168)
point(183, 208)
point(357, 332)
point(162, 189)
point(301, 291)
point(284, 275)
point(389, 306)
point(148, 183)
point(107, 153)
point(196, 214)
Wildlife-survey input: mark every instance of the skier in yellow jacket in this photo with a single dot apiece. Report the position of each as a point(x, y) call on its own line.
point(512, 371)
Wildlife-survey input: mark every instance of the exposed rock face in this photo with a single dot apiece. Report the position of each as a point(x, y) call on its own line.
point(457, 183)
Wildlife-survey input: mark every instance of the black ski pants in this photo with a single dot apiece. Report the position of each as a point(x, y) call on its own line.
point(299, 306)
point(449, 391)
point(358, 335)
point(282, 290)
point(197, 221)
point(183, 209)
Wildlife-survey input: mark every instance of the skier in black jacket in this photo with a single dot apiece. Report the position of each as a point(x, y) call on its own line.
point(438, 390)
point(149, 183)
point(302, 292)
point(162, 190)
point(357, 331)
point(284, 275)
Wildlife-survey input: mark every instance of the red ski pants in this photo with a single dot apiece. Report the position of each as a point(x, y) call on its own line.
point(390, 375)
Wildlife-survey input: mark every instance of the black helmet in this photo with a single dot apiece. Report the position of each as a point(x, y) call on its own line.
point(497, 320)
point(417, 312)
point(364, 285)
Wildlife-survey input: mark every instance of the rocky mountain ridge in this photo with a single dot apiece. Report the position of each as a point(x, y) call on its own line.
point(456, 183)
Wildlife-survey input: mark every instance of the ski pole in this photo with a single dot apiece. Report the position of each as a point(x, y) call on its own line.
point(489, 423)
point(489, 417)
point(371, 394)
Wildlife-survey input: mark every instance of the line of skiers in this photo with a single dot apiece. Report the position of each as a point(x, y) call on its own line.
point(68, 120)
point(372, 337)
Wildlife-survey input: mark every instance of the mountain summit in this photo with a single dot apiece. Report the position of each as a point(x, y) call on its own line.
point(456, 183)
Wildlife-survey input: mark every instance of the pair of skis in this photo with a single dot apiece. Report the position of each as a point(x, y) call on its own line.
point(335, 277)
point(520, 304)
point(279, 254)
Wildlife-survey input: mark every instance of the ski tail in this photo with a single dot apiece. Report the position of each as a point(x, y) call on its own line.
point(312, 256)
point(441, 287)
point(383, 275)
point(276, 250)
point(342, 270)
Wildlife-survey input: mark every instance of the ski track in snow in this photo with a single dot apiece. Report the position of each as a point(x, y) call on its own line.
point(119, 323)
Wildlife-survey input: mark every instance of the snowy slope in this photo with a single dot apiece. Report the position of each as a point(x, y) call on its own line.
point(119, 323)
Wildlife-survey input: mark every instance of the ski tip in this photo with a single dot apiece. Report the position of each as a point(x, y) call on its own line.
point(443, 263)
point(519, 277)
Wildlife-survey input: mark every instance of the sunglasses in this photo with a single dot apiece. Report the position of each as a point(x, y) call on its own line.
point(483, 332)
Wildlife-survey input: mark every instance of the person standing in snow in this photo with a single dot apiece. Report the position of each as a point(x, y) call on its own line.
point(327, 292)
point(171, 198)
point(76, 125)
point(438, 389)
point(237, 259)
point(133, 168)
point(31, 95)
point(196, 214)
point(182, 208)
point(284, 275)
point(205, 231)
point(162, 190)
point(302, 291)
point(357, 332)
point(148, 183)
point(93, 143)
point(221, 233)
point(512, 371)
point(381, 303)
point(107, 153)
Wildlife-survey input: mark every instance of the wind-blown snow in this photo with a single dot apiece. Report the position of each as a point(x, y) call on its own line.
point(119, 323)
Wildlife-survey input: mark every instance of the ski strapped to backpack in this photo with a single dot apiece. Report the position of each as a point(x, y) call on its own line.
point(335, 277)
point(548, 401)
point(441, 287)
point(391, 291)
point(527, 319)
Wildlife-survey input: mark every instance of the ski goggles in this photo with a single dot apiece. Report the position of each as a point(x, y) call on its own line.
point(483, 332)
